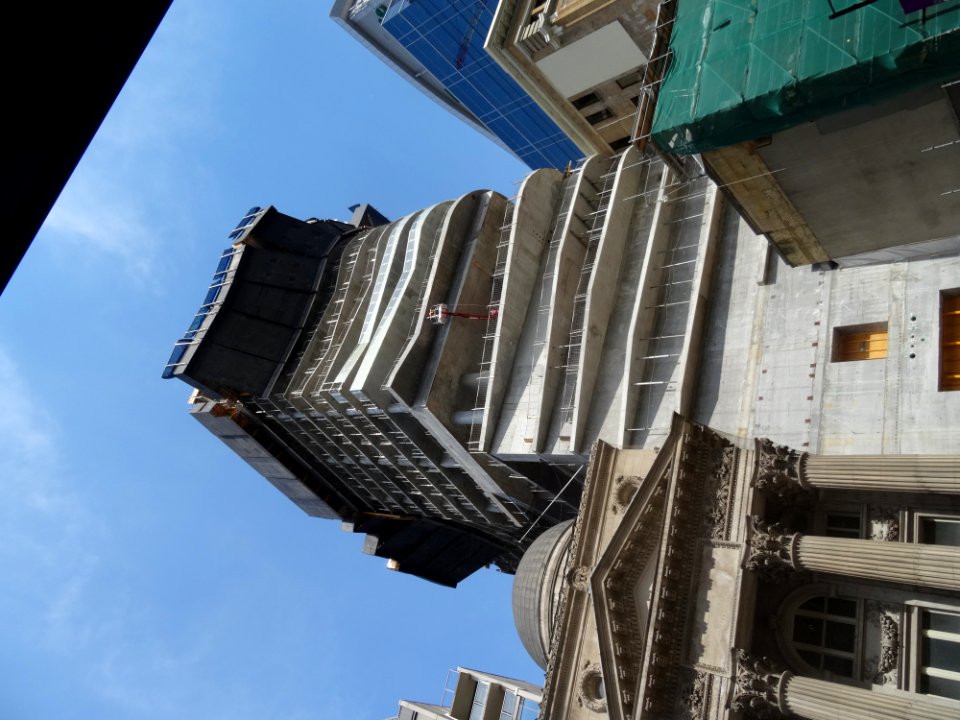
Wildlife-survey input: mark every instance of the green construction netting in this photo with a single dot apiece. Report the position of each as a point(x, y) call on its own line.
point(745, 69)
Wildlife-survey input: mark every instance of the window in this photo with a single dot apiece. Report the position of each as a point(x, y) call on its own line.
point(509, 708)
point(517, 707)
point(479, 700)
point(939, 530)
point(825, 633)
point(950, 340)
point(584, 100)
point(939, 670)
point(843, 524)
point(860, 342)
point(528, 710)
point(620, 144)
point(599, 116)
point(631, 78)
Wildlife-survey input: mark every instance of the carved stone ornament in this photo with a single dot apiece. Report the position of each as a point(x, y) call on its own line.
point(884, 524)
point(580, 577)
point(772, 549)
point(779, 471)
point(882, 669)
point(693, 694)
point(718, 515)
point(626, 488)
point(759, 687)
point(590, 689)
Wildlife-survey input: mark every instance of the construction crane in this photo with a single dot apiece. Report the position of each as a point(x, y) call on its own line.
point(478, 9)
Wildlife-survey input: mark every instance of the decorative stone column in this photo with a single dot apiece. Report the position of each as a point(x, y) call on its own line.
point(889, 473)
point(789, 473)
point(758, 688)
point(766, 694)
point(822, 700)
point(774, 551)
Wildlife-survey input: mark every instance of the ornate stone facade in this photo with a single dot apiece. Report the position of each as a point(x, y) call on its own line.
point(772, 549)
point(780, 472)
point(758, 689)
point(674, 567)
point(882, 668)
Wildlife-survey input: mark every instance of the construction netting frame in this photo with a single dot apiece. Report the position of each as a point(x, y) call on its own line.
point(745, 69)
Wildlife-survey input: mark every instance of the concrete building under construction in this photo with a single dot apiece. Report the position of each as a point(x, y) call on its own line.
point(438, 382)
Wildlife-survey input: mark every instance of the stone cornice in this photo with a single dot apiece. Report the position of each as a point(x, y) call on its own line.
point(700, 465)
point(683, 504)
point(636, 541)
point(573, 607)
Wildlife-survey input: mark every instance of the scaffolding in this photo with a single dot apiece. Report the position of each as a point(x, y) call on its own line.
point(595, 221)
point(670, 284)
point(492, 327)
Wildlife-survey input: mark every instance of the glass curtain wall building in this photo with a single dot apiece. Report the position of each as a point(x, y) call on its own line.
point(447, 36)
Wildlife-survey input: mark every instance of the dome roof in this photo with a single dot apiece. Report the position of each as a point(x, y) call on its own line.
point(536, 589)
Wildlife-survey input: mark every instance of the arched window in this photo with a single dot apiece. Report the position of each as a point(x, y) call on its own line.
point(820, 633)
point(825, 632)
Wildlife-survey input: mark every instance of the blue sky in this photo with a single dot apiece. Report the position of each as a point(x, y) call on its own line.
point(148, 573)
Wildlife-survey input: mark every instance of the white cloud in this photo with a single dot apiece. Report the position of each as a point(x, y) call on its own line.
point(114, 212)
point(94, 219)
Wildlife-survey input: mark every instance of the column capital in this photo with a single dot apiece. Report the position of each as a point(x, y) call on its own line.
point(772, 549)
point(780, 471)
point(759, 687)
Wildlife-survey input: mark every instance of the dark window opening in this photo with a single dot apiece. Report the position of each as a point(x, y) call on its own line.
point(631, 78)
point(585, 100)
point(599, 116)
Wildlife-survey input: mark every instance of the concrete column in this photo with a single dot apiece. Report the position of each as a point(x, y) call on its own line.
point(760, 688)
point(777, 552)
point(787, 473)
point(822, 700)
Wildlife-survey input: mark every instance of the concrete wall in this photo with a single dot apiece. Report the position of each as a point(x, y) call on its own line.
point(891, 170)
point(602, 289)
point(396, 324)
point(520, 412)
point(388, 274)
point(569, 263)
point(532, 219)
point(610, 391)
point(768, 368)
point(460, 227)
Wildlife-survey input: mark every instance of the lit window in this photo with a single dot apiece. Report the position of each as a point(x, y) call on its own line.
point(950, 340)
point(825, 634)
point(939, 669)
point(860, 342)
